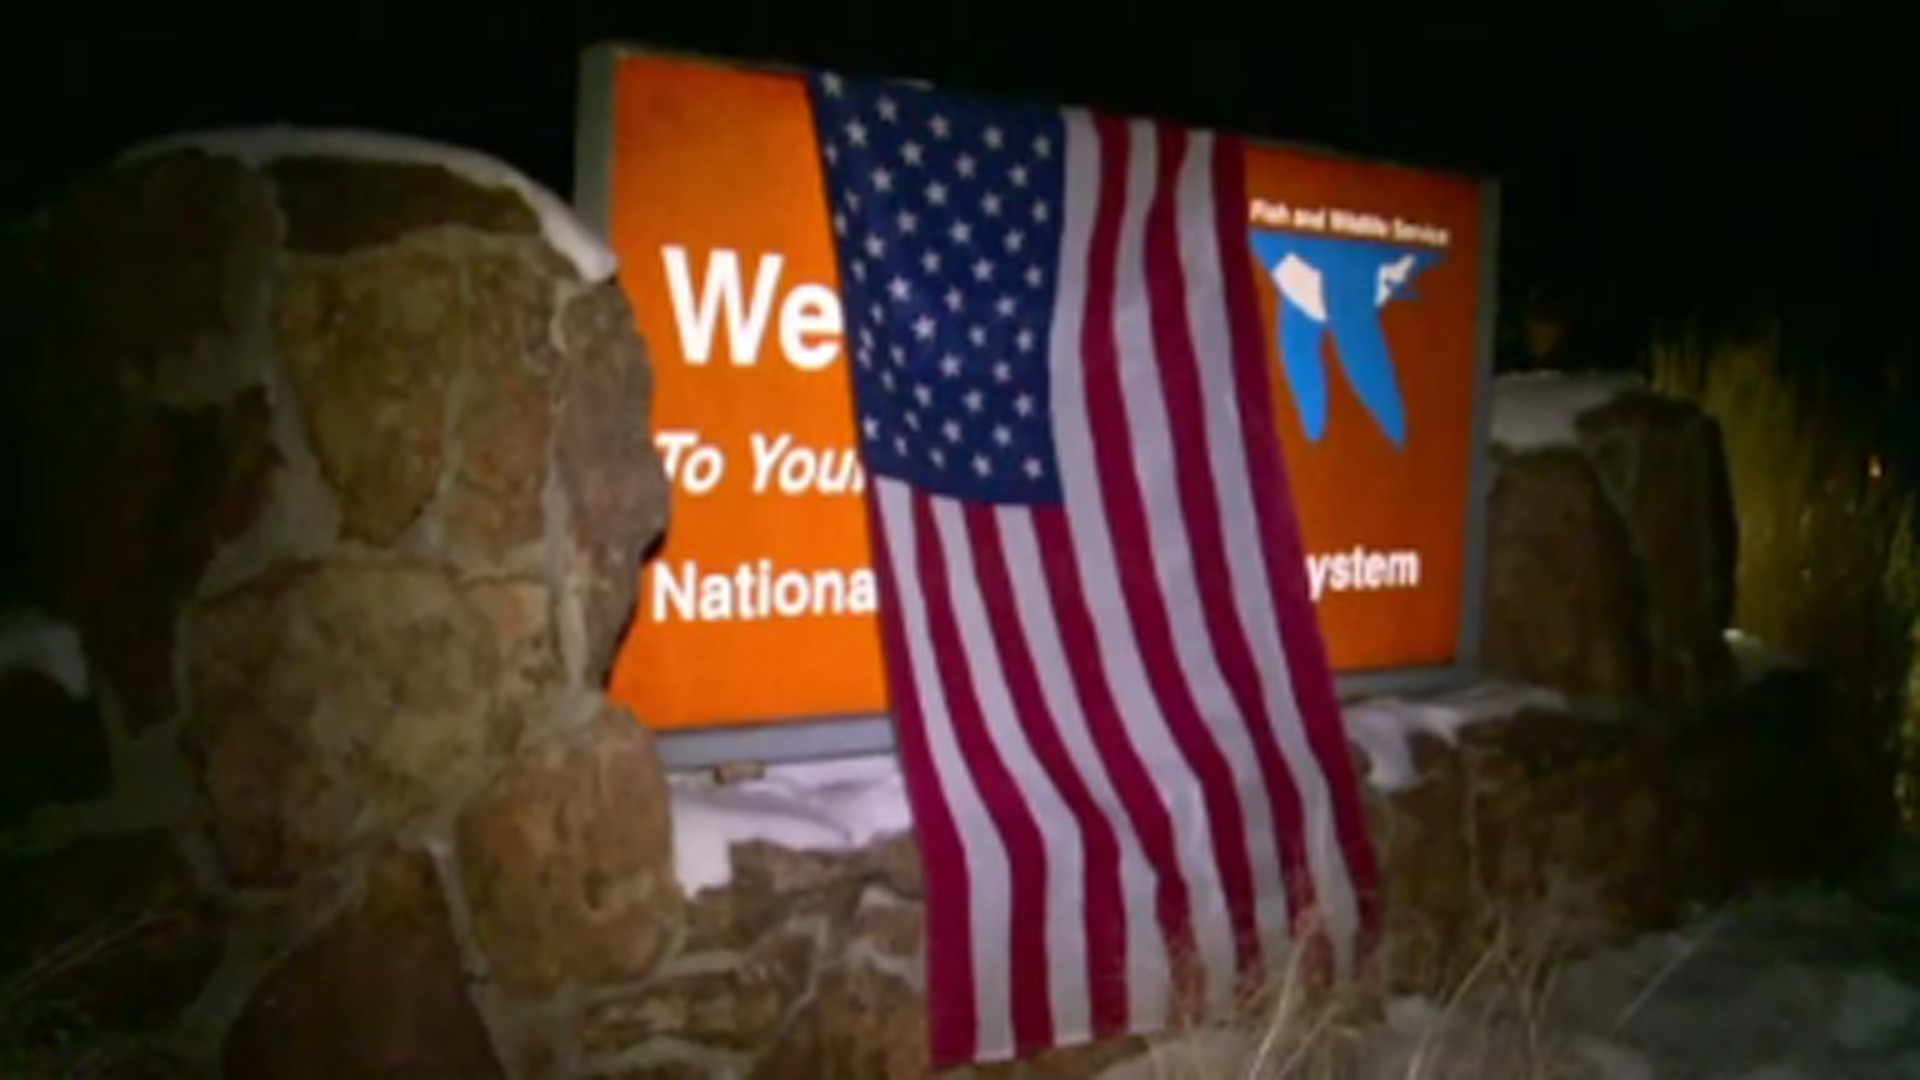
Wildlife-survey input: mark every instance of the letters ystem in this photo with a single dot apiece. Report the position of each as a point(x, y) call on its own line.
point(809, 322)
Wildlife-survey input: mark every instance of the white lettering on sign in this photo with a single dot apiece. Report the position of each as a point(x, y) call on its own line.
point(1347, 222)
point(756, 590)
point(1353, 223)
point(1363, 570)
point(810, 327)
point(697, 467)
point(810, 320)
point(1421, 232)
point(778, 464)
point(1266, 213)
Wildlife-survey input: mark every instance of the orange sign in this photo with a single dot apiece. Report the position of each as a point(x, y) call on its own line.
point(760, 605)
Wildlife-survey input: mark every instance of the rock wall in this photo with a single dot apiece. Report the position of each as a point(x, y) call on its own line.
point(808, 963)
point(338, 461)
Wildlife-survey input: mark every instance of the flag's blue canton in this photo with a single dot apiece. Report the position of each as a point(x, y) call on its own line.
point(946, 214)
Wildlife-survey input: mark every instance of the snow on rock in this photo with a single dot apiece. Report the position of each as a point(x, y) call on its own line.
point(257, 147)
point(1419, 1037)
point(838, 805)
point(1610, 1060)
point(1383, 728)
point(1808, 983)
point(31, 641)
point(1537, 410)
point(1755, 659)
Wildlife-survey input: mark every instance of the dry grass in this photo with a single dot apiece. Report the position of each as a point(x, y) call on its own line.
point(1827, 567)
point(46, 1033)
point(1828, 572)
point(1492, 1019)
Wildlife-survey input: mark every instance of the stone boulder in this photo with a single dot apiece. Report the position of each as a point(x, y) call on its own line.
point(1611, 542)
point(339, 699)
point(567, 860)
point(379, 992)
point(1663, 463)
point(338, 455)
point(1565, 603)
point(1571, 830)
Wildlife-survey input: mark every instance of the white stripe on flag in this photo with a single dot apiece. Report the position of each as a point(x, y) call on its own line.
point(1147, 965)
point(1150, 428)
point(1199, 252)
point(988, 868)
point(1065, 898)
point(1121, 657)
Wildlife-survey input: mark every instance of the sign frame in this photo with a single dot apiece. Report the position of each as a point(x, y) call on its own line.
point(841, 736)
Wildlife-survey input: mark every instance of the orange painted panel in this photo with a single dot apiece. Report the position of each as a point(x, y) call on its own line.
point(759, 606)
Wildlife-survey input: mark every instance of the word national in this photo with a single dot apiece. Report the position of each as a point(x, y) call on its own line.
point(752, 591)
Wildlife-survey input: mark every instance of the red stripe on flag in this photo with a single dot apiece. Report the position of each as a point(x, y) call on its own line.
point(1179, 369)
point(1133, 782)
point(1305, 649)
point(1127, 512)
point(1104, 919)
point(1005, 802)
point(953, 1020)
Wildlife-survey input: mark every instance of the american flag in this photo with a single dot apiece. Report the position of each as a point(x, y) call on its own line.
point(1115, 716)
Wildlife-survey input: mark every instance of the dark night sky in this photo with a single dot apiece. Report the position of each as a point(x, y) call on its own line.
point(1686, 157)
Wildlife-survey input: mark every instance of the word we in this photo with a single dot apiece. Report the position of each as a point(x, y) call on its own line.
point(807, 320)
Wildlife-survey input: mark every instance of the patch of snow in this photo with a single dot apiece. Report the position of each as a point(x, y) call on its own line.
point(1414, 1037)
point(1755, 659)
point(1802, 984)
point(1813, 982)
point(1464, 1041)
point(838, 805)
point(1776, 1072)
point(31, 641)
point(1209, 1052)
point(1383, 728)
point(257, 147)
point(1536, 410)
point(1873, 1007)
point(1612, 1061)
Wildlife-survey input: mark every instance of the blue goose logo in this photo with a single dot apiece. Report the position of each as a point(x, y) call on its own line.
point(1331, 286)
